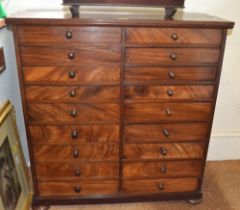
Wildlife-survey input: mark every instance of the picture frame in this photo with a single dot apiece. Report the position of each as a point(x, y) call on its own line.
point(15, 188)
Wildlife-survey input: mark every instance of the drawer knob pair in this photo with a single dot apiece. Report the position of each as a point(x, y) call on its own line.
point(161, 186)
point(75, 134)
point(77, 172)
point(166, 132)
point(78, 189)
point(76, 153)
point(173, 56)
point(73, 113)
point(174, 36)
point(72, 93)
point(69, 35)
point(71, 55)
point(163, 151)
point(72, 74)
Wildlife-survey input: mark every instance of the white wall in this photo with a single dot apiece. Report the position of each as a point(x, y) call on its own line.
point(226, 130)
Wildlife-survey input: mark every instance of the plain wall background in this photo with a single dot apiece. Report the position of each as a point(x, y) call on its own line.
point(225, 139)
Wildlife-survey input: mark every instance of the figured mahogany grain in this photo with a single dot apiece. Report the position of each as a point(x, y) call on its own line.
point(155, 132)
point(153, 151)
point(62, 134)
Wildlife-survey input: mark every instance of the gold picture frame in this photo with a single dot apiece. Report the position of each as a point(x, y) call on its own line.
point(15, 188)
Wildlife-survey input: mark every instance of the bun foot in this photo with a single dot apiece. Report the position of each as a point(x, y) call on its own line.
point(195, 201)
point(40, 207)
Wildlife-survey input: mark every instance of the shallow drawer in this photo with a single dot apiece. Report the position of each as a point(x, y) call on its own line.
point(72, 93)
point(174, 36)
point(57, 35)
point(186, 92)
point(89, 73)
point(172, 56)
point(154, 112)
point(70, 113)
point(161, 169)
point(76, 171)
point(163, 151)
point(90, 188)
point(43, 134)
point(170, 73)
point(166, 132)
point(41, 56)
point(160, 186)
point(84, 152)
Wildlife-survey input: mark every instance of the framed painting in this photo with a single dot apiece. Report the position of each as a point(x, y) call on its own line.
point(15, 188)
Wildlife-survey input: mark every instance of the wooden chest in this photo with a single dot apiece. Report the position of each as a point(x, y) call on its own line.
point(118, 110)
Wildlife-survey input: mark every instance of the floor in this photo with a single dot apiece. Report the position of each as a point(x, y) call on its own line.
point(221, 192)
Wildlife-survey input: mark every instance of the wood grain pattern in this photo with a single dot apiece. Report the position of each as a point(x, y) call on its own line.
point(151, 112)
point(62, 134)
point(182, 92)
point(153, 151)
point(138, 170)
point(151, 186)
point(88, 188)
point(72, 93)
point(162, 56)
point(184, 36)
point(89, 73)
point(39, 56)
point(176, 132)
point(45, 35)
point(74, 171)
point(162, 73)
point(86, 152)
point(85, 113)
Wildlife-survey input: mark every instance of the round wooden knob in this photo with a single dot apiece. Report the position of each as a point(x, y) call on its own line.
point(161, 186)
point(173, 56)
point(171, 75)
point(77, 172)
point(168, 112)
point(174, 36)
point(74, 134)
point(163, 151)
point(72, 74)
point(71, 55)
point(76, 153)
point(166, 132)
point(77, 189)
point(69, 35)
point(163, 169)
point(72, 93)
point(74, 113)
point(170, 93)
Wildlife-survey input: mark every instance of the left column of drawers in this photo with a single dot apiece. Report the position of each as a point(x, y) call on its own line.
point(71, 79)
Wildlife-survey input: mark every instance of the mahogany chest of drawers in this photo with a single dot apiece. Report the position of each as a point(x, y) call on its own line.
point(118, 110)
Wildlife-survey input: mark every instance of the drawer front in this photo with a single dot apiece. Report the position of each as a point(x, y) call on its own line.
point(62, 113)
point(163, 151)
point(76, 171)
point(160, 186)
point(170, 73)
point(84, 152)
point(90, 73)
point(43, 35)
point(135, 170)
point(43, 135)
point(69, 56)
point(72, 93)
point(186, 92)
point(151, 112)
point(172, 56)
point(88, 188)
point(166, 132)
point(174, 36)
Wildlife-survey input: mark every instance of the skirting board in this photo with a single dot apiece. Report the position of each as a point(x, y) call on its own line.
point(224, 145)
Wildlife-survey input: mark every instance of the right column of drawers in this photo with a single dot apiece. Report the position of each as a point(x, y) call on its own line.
point(169, 97)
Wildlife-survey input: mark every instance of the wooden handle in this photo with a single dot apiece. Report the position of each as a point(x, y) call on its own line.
point(72, 74)
point(74, 113)
point(166, 132)
point(69, 35)
point(174, 36)
point(173, 56)
point(76, 153)
point(77, 189)
point(170, 93)
point(171, 75)
point(77, 172)
point(71, 55)
point(163, 151)
point(74, 134)
point(72, 93)
point(161, 186)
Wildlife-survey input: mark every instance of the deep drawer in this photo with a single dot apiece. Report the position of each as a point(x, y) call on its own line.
point(154, 112)
point(70, 113)
point(166, 132)
point(84, 152)
point(163, 151)
point(73, 134)
point(174, 36)
point(76, 171)
point(160, 186)
point(44, 35)
point(88, 188)
point(135, 170)
point(172, 56)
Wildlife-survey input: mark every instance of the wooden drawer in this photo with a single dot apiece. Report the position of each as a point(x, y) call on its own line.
point(70, 113)
point(76, 171)
point(154, 112)
point(46, 134)
point(166, 132)
point(174, 36)
point(170, 73)
point(135, 170)
point(172, 56)
point(72, 93)
point(57, 35)
point(84, 152)
point(160, 186)
point(180, 92)
point(88, 188)
point(90, 73)
point(163, 151)
point(40, 56)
